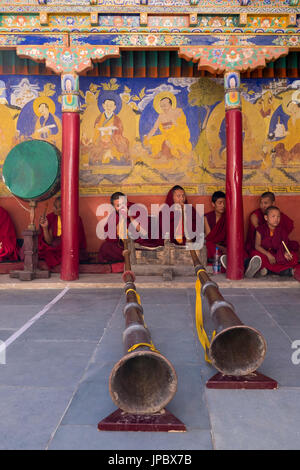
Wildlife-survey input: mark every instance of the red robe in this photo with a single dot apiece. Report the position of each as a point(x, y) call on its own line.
point(176, 234)
point(52, 253)
point(111, 250)
point(285, 222)
point(217, 234)
point(9, 250)
point(273, 244)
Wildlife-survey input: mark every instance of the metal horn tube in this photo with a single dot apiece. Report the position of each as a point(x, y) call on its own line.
point(236, 349)
point(143, 381)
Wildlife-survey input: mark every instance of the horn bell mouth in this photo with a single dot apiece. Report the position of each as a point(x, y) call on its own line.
point(238, 350)
point(142, 382)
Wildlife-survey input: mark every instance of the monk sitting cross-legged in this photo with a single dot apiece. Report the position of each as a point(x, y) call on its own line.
point(8, 241)
point(273, 246)
point(215, 231)
point(177, 202)
point(257, 219)
point(50, 237)
point(111, 250)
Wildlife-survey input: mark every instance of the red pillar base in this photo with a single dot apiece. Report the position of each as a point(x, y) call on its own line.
point(163, 421)
point(254, 381)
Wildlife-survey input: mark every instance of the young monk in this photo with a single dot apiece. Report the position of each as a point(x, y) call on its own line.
point(8, 240)
point(215, 232)
point(215, 225)
point(268, 245)
point(111, 250)
point(256, 219)
point(50, 237)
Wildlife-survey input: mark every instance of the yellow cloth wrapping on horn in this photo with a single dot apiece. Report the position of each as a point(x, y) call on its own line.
point(149, 345)
point(203, 338)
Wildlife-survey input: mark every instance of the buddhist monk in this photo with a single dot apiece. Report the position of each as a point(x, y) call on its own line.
point(215, 233)
point(50, 237)
point(8, 240)
point(176, 196)
point(256, 219)
point(111, 250)
point(215, 225)
point(273, 246)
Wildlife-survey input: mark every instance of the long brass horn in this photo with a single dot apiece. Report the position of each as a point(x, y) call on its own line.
point(143, 381)
point(236, 349)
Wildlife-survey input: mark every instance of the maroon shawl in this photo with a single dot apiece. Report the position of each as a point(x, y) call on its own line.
point(52, 253)
point(176, 235)
point(217, 234)
point(285, 222)
point(9, 250)
point(273, 244)
point(111, 250)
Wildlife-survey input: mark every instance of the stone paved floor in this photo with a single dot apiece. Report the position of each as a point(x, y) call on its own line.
point(54, 385)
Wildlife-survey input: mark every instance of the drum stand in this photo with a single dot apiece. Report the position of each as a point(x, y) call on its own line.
point(30, 235)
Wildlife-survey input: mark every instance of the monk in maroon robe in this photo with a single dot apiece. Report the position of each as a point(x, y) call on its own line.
point(8, 240)
point(111, 250)
point(176, 197)
point(257, 219)
point(49, 244)
point(215, 225)
point(268, 244)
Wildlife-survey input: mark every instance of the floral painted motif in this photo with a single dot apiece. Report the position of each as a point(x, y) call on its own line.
point(119, 21)
point(64, 59)
point(218, 21)
point(150, 40)
point(231, 58)
point(69, 21)
point(20, 21)
point(168, 21)
point(291, 41)
point(12, 40)
point(266, 22)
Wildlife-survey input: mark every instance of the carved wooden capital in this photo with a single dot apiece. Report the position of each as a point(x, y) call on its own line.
point(240, 58)
point(62, 59)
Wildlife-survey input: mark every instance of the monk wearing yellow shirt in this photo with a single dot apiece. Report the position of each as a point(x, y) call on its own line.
point(50, 237)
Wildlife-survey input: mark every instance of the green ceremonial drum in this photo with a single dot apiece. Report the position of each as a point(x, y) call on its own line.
point(31, 170)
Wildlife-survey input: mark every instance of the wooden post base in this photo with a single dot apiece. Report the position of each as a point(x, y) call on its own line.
point(254, 381)
point(163, 421)
point(29, 276)
point(31, 270)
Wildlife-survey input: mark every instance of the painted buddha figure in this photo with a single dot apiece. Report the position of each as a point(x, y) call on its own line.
point(173, 140)
point(108, 133)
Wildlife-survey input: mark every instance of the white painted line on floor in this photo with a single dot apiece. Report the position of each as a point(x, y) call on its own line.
point(30, 322)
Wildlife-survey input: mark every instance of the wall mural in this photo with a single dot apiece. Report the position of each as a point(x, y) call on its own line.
point(143, 135)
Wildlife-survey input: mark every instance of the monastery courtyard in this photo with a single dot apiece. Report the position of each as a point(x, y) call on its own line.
point(63, 340)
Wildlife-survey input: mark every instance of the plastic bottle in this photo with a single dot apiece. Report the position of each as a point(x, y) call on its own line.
point(217, 262)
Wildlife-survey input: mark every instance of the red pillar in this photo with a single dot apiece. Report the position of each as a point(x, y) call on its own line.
point(234, 186)
point(70, 195)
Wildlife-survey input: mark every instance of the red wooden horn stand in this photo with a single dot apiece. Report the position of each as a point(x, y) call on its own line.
point(119, 420)
point(253, 381)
